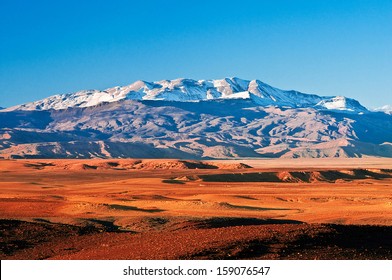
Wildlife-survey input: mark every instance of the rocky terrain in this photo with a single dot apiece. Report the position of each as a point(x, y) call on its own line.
point(212, 119)
point(220, 238)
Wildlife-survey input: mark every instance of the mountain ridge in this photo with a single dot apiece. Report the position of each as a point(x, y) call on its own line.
point(387, 109)
point(201, 130)
point(261, 122)
point(188, 90)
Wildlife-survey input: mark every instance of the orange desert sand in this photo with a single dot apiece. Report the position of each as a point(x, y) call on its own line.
point(184, 209)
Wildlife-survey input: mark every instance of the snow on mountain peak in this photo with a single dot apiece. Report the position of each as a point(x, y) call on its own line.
point(341, 103)
point(186, 90)
point(387, 109)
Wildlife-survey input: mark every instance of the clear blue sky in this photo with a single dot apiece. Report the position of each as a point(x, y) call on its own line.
point(323, 47)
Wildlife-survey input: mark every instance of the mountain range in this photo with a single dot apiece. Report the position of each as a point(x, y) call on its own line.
point(195, 119)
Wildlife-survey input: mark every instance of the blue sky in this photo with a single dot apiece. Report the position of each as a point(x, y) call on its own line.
point(322, 47)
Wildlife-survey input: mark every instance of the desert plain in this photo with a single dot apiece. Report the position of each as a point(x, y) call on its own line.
point(185, 209)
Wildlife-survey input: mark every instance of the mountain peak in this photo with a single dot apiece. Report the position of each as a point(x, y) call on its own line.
point(220, 118)
point(189, 90)
point(387, 109)
point(341, 103)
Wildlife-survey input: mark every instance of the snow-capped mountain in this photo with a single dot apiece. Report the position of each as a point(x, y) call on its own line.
point(341, 103)
point(191, 119)
point(386, 109)
point(186, 90)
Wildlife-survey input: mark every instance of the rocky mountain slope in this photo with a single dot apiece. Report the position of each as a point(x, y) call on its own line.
point(193, 119)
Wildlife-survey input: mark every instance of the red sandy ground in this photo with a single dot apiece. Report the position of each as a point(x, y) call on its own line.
point(167, 209)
